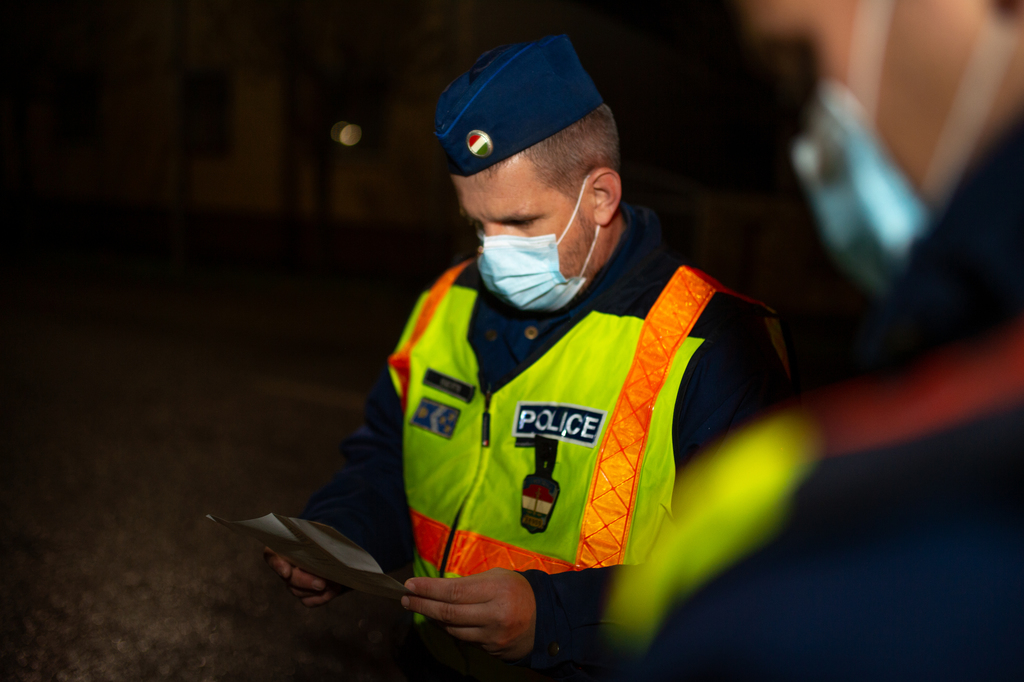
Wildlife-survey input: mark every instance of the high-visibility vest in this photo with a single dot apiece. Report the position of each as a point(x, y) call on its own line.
point(729, 502)
point(606, 390)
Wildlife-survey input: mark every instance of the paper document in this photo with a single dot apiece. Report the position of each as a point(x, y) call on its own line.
point(320, 550)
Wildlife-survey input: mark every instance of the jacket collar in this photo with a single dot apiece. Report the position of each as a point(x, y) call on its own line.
point(641, 236)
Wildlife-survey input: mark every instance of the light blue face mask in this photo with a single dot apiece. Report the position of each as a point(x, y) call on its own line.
point(868, 214)
point(524, 271)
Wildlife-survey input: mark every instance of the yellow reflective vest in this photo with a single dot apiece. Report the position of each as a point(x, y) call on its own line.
point(605, 390)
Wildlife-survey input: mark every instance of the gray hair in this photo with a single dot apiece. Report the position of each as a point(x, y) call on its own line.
point(565, 158)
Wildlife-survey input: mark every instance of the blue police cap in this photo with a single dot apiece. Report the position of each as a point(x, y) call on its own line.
point(513, 97)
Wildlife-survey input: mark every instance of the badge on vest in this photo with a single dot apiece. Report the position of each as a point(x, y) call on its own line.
point(561, 421)
point(435, 417)
point(450, 385)
point(540, 490)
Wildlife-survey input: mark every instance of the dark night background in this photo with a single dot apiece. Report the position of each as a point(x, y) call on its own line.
point(199, 284)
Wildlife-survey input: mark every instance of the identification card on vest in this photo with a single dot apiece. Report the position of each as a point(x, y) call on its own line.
point(561, 421)
point(435, 417)
point(450, 385)
point(540, 490)
point(539, 496)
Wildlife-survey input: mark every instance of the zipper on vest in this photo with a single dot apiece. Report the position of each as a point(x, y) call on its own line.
point(448, 544)
point(485, 431)
point(485, 441)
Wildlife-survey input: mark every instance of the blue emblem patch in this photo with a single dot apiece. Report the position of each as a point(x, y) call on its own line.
point(562, 421)
point(435, 417)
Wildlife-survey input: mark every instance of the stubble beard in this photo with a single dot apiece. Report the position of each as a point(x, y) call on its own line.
point(577, 244)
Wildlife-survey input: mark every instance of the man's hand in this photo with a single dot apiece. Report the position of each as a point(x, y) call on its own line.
point(494, 609)
point(311, 590)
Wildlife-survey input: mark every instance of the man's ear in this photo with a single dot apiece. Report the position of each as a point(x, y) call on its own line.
point(607, 193)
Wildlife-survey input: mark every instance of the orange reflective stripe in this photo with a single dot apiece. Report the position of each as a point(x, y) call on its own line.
point(430, 537)
point(773, 324)
point(951, 386)
point(721, 288)
point(399, 360)
point(473, 553)
point(610, 504)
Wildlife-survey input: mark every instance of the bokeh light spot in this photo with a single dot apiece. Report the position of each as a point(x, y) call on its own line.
point(346, 133)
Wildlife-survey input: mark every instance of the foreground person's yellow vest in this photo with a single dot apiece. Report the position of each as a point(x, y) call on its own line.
point(606, 390)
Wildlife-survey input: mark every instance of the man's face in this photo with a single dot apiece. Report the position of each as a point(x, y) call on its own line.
point(929, 45)
point(826, 25)
point(513, 201)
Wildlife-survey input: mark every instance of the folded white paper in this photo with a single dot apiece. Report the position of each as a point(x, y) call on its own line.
point(320, 550)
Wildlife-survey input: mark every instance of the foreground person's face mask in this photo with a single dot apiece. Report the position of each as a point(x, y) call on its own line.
point(868, 214)
point(524, 271)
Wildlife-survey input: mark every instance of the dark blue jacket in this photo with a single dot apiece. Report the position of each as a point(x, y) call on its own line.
point(902, 559)
point(735, 373)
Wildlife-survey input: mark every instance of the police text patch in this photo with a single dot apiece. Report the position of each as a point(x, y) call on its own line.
point(562, 421)
point(435, 417)
point(450, 385)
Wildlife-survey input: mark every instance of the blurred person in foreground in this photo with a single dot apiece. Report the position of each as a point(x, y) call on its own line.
point(524, 438)
point(876, 532)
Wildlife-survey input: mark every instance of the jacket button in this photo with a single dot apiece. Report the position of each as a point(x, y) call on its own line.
point(491, 334)
point(553, 649)
point(530, 332)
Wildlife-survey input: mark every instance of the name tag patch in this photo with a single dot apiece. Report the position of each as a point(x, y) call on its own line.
point(450, 385)
point(562, 421)
point(435, 417)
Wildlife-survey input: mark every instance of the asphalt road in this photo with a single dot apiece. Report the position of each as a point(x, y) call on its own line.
point(132, 403)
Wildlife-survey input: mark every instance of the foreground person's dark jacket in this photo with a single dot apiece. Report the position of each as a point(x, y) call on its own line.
point(898, 552)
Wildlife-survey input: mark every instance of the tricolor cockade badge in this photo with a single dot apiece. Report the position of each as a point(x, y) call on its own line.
point(479, 143)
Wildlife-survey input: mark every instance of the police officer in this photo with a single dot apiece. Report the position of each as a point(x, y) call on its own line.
point(525, 436)
point(877, 532)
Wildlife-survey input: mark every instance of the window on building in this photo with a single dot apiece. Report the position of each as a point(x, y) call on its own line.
point(77, 108)
point(206, 113)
